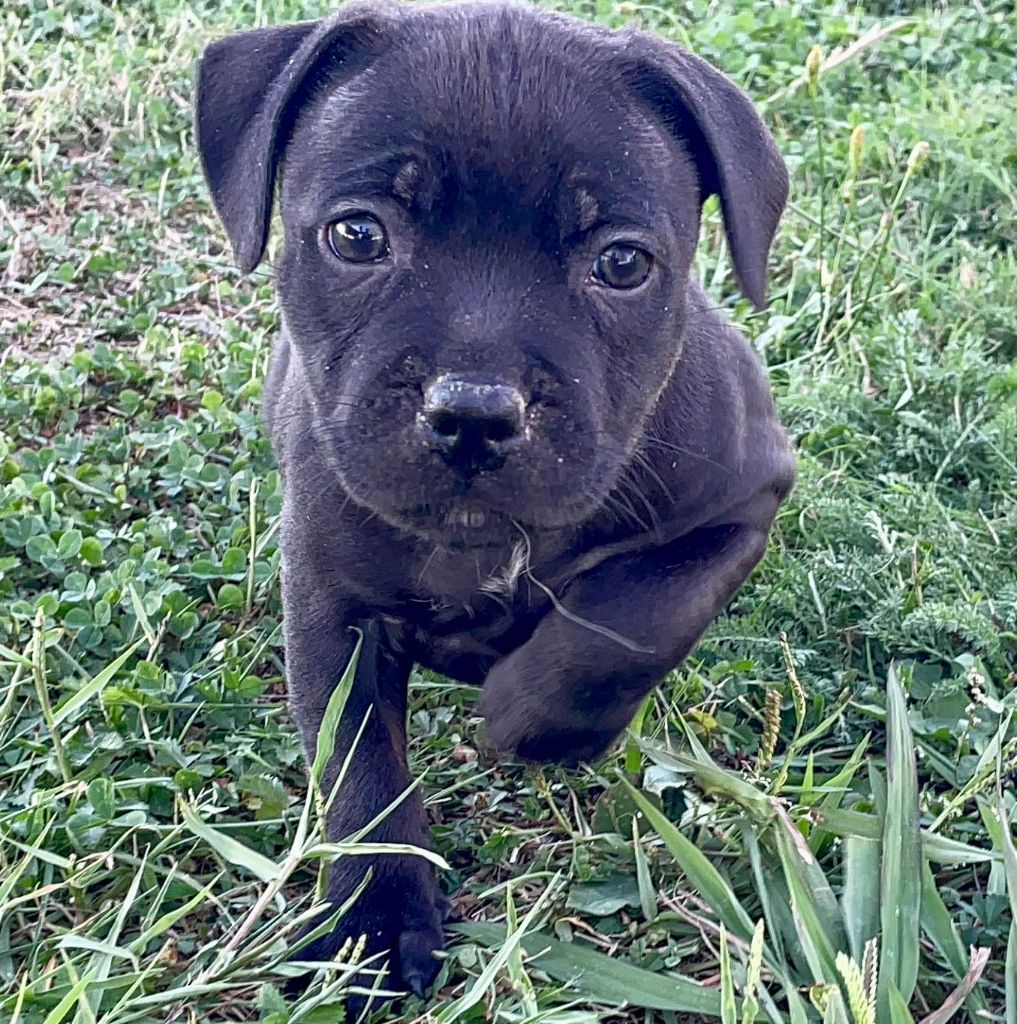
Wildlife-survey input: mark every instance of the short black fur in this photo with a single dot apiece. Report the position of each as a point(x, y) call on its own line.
point(495, 465)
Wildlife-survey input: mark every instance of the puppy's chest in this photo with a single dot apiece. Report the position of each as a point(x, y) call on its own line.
point(452, 582)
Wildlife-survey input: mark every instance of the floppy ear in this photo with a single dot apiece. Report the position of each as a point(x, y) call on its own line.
point(248, 85)
point(736, 156)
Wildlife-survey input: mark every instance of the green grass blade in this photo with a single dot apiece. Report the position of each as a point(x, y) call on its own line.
point(509, 942)
point(232, 851)
point(333, 713)
point(167, 920)
point(815, 943)
point(941, 849)
point(798, 857)
point(836, 1011)
point(603, 979)
point(1010, 983)
point(797, 1008)
point(898, 1012)
point(1010, 870)
point(728, 1008)
point(772, 891)
point(701, 874)
point(712, 778)
point(647, 894)
point(860, 898)
point(94, 686)
point(901, 877)
point(60, 1011)
point(937, 923)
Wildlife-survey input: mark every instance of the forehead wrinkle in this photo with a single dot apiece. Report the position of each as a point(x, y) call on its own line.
point(318, 192)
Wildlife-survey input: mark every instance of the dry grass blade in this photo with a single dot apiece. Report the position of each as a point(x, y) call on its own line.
point(955, 1000)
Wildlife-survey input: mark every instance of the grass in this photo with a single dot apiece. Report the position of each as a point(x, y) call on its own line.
point(835, 761)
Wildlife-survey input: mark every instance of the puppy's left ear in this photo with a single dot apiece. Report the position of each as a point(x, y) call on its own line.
point(736, 156)
point(248, 87)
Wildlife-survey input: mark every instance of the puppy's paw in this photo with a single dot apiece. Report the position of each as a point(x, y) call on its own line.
point(534, 738)
point(533, 716)
point(399, 915)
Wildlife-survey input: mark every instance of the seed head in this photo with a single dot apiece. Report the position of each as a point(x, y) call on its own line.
point(919, 157)
point(813, 64)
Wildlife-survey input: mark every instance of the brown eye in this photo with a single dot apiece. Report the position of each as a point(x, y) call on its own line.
point(622, 266)
point(359, 238)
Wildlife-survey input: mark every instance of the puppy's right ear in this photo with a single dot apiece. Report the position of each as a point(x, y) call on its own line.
point(247, 87)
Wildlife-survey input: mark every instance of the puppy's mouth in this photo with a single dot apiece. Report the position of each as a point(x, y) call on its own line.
point(468, 518)
point(469, 525)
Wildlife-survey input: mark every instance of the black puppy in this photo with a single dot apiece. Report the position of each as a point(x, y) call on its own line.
point(518, 445)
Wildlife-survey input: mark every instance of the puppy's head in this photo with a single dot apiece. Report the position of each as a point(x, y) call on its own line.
point(490, 213)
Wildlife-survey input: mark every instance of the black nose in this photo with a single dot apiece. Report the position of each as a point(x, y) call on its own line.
point(474, 425)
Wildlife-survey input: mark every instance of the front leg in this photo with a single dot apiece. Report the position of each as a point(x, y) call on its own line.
point(399, 911)
point(568, 691)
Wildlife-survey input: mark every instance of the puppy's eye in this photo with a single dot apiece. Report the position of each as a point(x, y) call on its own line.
point(622, 266)
point(359, 238)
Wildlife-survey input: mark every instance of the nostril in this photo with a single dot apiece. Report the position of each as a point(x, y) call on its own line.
point(502, 428)
point(444, 422)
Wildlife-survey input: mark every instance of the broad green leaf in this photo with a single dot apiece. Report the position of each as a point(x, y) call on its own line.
point(102, 797)
point(901, 877)
point(604, 897)
point(602, 978)
point(701, 874)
